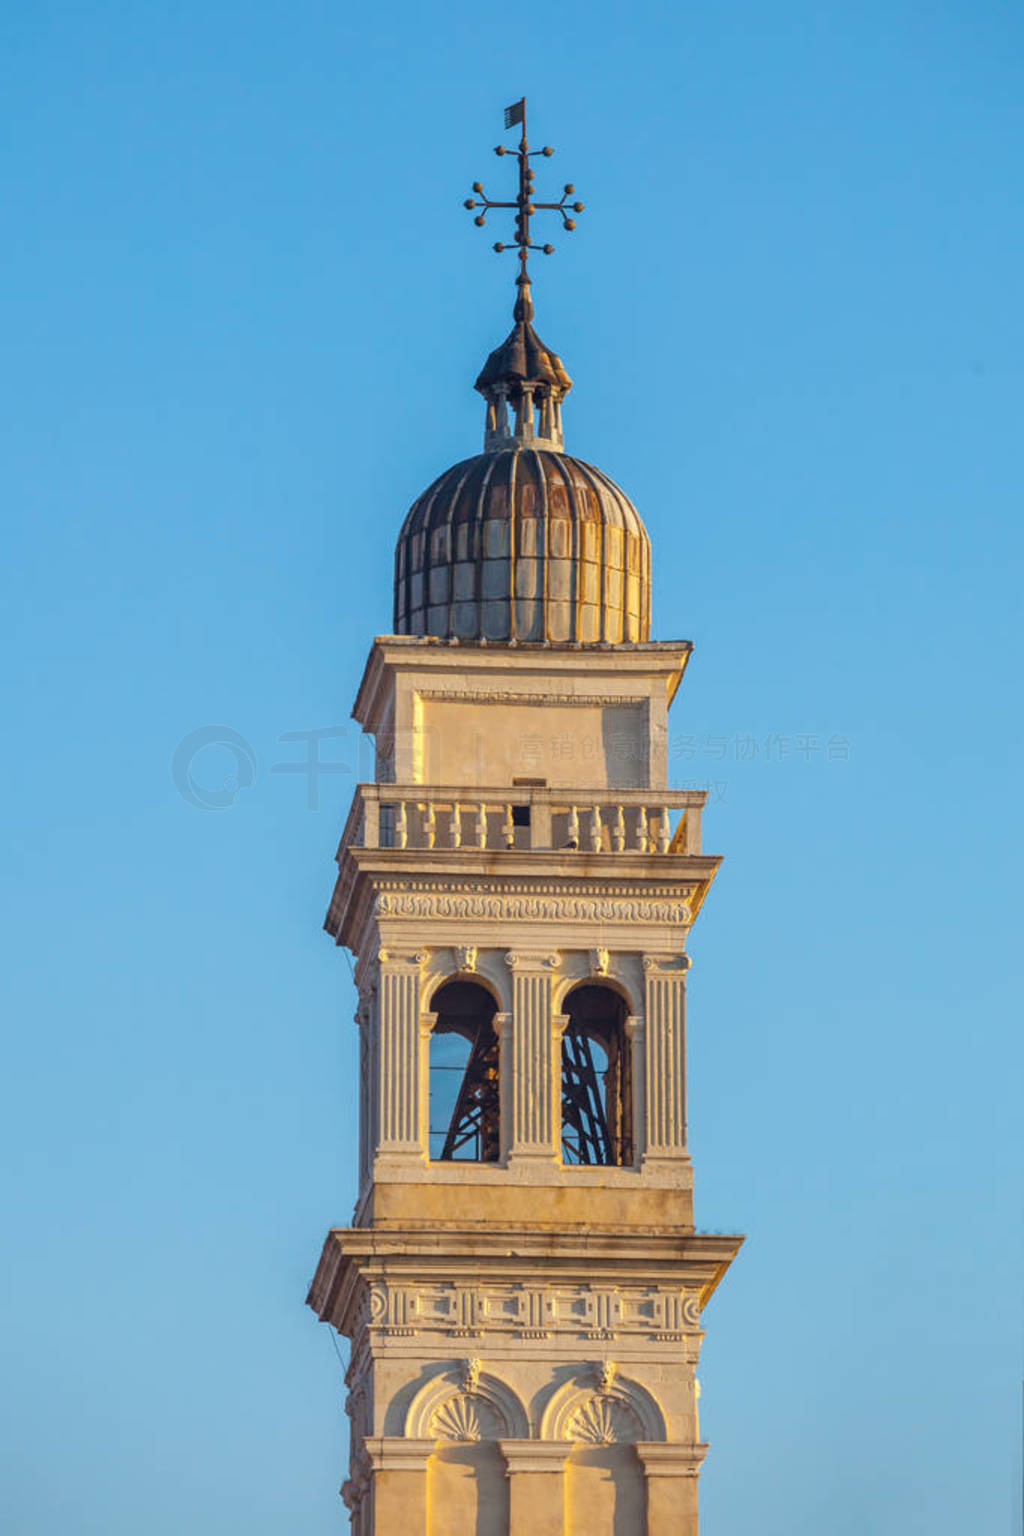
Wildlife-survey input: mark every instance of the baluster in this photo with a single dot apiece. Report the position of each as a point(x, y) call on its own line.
point(456, 825)
point(574, 827)
point(481, 826)
point(641, 830)
point(509, 828)
point(429, 824)
point(401, 826)
point(619, 830)
point(595, 829)
point(663, 831)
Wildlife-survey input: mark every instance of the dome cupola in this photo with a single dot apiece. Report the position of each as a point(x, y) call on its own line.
point(523, 542)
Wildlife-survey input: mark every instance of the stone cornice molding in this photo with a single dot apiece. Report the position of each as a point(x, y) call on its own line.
point(381, 885)
point(685, 1266)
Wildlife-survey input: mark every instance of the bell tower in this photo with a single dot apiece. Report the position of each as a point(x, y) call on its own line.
point(522, 1283)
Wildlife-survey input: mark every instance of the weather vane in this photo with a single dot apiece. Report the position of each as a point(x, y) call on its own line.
point(524, 204)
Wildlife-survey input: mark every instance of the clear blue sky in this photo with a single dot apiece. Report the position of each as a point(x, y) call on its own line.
point(242, 310)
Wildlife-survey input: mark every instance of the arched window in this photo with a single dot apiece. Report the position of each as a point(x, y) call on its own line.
point(465, 1108)
point(597, 1079)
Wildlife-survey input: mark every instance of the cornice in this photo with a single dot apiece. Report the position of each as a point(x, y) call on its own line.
point(460, 885)
point(356, 1257)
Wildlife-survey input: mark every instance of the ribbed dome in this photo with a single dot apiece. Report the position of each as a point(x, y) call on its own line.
point(527, 544)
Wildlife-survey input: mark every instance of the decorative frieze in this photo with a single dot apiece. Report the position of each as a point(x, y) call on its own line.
point(518, 696)
point(471, 903)
point(601, 1313)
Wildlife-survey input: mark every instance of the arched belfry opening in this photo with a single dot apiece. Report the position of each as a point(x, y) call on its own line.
point(597, 1079)
point(465, 1067)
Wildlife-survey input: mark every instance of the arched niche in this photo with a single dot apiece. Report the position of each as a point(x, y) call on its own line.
point(483, 1404)
point(603, 1408)
point(597, 1077)
point(464, 1075)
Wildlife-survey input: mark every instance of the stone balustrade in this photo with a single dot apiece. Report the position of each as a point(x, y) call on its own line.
point(525, 817)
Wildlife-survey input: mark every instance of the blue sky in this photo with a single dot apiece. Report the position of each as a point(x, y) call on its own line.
point(242, 310)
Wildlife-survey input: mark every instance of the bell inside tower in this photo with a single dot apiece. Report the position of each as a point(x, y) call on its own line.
point(465, 1101)
point(597, 1094)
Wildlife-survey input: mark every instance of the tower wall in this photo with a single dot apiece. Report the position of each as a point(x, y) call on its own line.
point(525, 1328)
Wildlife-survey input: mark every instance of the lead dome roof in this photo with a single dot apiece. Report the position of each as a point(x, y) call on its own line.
point(523, 541)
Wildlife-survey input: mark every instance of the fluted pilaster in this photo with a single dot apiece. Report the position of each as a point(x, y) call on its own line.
point(400, 1091)
point(665, 1054)
point(536, 1056)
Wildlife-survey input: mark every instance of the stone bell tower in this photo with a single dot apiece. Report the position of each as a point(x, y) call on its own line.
point(522, 1283)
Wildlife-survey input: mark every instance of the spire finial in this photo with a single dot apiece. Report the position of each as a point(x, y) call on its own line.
point(525, 207)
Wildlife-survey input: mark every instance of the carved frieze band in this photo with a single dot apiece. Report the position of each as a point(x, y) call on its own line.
point(582, 1311)
point(473, 904)
point(512, 696)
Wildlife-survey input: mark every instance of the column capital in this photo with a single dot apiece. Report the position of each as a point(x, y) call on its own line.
point(411, 959)
point(671, 964)
point(660, 1459)
point(427, 1022)
point(533, 960)
point(534, 1455)
point(393, 1453)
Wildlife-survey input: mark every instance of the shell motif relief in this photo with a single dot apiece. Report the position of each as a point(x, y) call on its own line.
point(464, 1418)
point(602, 1421)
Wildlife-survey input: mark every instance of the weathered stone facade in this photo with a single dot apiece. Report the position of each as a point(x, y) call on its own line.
point(525, 1328)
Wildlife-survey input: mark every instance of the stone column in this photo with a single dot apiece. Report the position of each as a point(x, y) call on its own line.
point(635, 1033)
point(399, 1055)
point(398, 1485)
point(535, 1470)
point(536, 1068)
point(367, 1117)
point(665, 1056)
point(427, 1022)
point(502, 1023)
point(670, 1472)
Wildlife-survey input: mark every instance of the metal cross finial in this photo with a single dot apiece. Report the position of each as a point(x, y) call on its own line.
point(524, 204)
